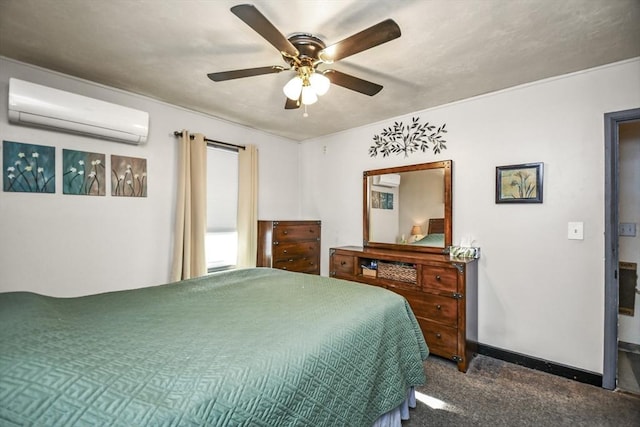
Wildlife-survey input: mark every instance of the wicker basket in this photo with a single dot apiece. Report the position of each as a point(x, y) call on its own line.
point(401, 273)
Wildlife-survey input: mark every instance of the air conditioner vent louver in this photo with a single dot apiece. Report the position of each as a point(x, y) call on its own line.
point(388, 180)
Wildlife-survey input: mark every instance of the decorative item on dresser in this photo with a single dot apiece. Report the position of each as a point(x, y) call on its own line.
point(289, 245)
point(441, 291)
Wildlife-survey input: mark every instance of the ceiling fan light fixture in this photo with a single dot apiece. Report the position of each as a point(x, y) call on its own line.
point(303, 52)
point(326, 54)
point(309, 95)
point(293, 88)
point(320, 83)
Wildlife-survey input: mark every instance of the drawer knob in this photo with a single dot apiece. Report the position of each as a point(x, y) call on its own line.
point(285, 251)
point(438, 335)
point(438, 306)
point(438, 277)
point(285, 232)
point(343, 263)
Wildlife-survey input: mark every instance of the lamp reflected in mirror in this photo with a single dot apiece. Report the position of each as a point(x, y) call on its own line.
point(416, 233)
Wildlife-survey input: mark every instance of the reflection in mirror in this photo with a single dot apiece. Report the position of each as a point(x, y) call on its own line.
point(419, 197)
point(408, 207)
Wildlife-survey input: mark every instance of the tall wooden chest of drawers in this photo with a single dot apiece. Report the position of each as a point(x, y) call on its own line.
point(289, 245)
point(442, 293)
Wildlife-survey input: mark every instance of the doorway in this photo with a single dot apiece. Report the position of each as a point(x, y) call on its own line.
point(613, 123)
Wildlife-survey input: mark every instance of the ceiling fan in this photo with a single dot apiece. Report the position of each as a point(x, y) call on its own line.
point(305, 52)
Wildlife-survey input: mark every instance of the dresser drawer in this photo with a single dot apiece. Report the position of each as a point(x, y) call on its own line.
point(437, 308)
point(290, 233)
point(414, 298)
point(302, 265)
point(442, 340)
point(342, 266)
point(440, 278)
point(296, 250)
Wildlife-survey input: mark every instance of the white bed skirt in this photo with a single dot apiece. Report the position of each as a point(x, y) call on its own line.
point(394, 417)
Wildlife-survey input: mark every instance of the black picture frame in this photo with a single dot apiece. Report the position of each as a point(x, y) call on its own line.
point(519, 183)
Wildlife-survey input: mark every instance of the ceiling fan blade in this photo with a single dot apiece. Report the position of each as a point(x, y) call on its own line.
point(291, 104)
point(247, 72)
point(353, 83)
point(373, 36)
point(261, 25)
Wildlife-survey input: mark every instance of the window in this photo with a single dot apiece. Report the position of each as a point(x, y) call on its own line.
point(221, 243)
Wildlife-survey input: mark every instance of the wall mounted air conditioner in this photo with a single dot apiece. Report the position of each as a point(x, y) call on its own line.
point(31, 104)
point(388, 180)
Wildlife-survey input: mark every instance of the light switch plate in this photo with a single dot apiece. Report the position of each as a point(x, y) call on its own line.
point(627, 229)
point(575, 231)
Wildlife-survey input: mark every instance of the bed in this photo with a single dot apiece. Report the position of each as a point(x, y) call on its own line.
point(435, 234)
point(252, 347)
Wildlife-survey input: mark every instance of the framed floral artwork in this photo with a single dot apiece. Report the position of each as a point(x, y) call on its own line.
point(519, 183)
point(380, 200)
point(128, 176)
point(28, 168)
point(83, 173)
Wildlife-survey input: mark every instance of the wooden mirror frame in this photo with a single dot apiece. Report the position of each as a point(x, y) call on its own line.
point(447, 165)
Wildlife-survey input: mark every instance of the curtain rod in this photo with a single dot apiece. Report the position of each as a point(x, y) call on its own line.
point(213, 142)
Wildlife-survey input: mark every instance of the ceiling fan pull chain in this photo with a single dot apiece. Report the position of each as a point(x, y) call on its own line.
point(305, 114)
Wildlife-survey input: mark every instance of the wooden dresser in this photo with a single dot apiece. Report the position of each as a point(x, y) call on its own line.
point(442, 293)
point(289, 245)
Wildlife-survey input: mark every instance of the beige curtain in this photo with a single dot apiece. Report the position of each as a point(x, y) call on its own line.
point(191, 209)
point(247, 206)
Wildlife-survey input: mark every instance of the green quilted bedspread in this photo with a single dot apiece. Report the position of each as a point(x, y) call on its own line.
point(255, 347)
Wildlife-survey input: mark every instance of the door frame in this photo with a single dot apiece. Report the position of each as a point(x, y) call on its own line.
point(611, 156)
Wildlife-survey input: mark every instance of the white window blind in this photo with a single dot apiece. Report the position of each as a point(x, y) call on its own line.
point(221, 244)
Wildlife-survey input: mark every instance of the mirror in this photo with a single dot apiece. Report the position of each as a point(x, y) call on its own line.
point(408, 208)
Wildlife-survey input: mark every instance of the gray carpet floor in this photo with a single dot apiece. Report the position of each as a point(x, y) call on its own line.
point(497, 393)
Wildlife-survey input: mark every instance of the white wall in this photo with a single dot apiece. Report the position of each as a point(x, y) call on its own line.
point(629, 190)
point(385, 222)
point(65, 245)
point(422, 196)
point(540, 294)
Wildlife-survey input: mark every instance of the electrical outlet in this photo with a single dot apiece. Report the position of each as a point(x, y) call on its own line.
point(627, 229)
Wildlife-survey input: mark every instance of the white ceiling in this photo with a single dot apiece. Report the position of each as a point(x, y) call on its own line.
point(449, 50)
